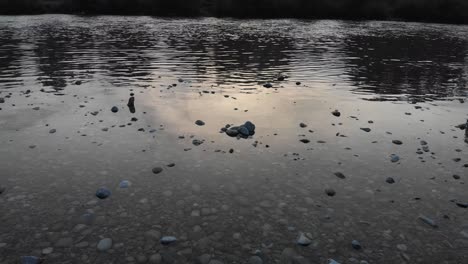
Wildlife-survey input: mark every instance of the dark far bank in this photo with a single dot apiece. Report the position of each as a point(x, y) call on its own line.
point(441, 11)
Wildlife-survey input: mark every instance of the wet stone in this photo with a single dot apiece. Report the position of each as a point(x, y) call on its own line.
point(47, 251)
point(390, 180)
point(428, 221)
point(104, 244)
point(365, 129)
point(197, 142)
point(355, 244)
point(114, 109)
point(166, 240)
point(304, 140)
point(456, 177)
point(103, 193)
point(394, 158)
point(199, 123)
point(267, 85)
point(52, 131)
point(302, 125)
point(155, 258)
point(64, 242)
point(336, 113)
point(397, 142)
point(157, 170)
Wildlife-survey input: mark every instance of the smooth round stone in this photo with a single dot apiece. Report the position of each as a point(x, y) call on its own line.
point(166, 240)
point(397, 142)
point(232, 132)
point(124, 184)
point(199, 123)
point(355, 244)
point(336, 113)
point(394, 158)
point(114, 109)
point(47, 251)
point(255, 260)
point(157, 170)
point(104, 244)
point(243, 131)
point(103, 193)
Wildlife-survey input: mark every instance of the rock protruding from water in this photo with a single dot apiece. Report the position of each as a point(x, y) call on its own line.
point(243, 131)
point(131, 102)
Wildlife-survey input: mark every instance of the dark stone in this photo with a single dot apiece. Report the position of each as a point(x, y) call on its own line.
point(2, 100)
point(232, 131)
point(267, 85)
point(366, 129)
point(250, 126)
point(394, 158)
point(197, 142)
point(355, 244)
point(199, 123)
point(78, 82)
point(170, 165)
point(390, 180)
point(157, 170)
point(114, 109)
point(103, 193)
point(456, 177)
point(330, 192)
point(302, 125)
point(166, 240)
point(336, 113)
point(243, 131)
point(462, 205)
point(134, 119)
point(52, 131)
point(304, 140)
point(298, 83)
point(397, 142)
point(340, 175)
point(231, 151)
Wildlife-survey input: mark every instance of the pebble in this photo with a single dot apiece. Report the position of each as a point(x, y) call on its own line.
point(302, 125)
point(340, 175)
point(390, 180)
point(267, 85)
point(52, 131)
point(366, 129)
point(124, 184)
point(336, 113)
point(355, 244)
point(330, 192)
point(166, 240)
point(456, 177)
point(197, 142)
point(30, 260)
point(428, 221)
point(104, 244)
point(394, 158)
point(153, 234)
point(157, 170)
point(103, 193)
point(199, 123)
point(304, 140)
point(47, 251)
point(302, 240)
point(114, 109)
point(397, 142)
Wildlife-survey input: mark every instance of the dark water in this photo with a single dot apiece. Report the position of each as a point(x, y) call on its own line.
point(381, 58)
point(232, 200)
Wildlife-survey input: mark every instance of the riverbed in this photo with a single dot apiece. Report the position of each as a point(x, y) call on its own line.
point(358, 137)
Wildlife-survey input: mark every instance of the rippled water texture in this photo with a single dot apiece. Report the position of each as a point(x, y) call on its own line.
point(386, 168)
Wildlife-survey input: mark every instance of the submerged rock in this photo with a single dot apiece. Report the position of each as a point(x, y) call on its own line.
point(131, 102)
point(197, 142)
point(304, 140)
point(30, 260)
point(245, 130)
point(157, 170)
point(302, 125)
point(103, 193)
point(355, 244)
point(302, 240)
point(166, 240)
point(428, 221)
point(104, 244)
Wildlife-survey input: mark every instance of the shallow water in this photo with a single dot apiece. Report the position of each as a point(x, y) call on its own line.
point(409, 79)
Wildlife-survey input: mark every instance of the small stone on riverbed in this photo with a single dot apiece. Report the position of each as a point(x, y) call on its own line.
point(330, 192)
point(103, 193)
point(199, 123)
point(355, 244)
point(157, 170)
point(104, 244)
point(114, 109)
point(166, 240)
point(302, 240)
point(336, 113)
point(390, 180)
point(397, 142)
point(366, 129)
point(304, 140)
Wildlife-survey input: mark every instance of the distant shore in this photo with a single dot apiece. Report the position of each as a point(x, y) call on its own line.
point(446, 11)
